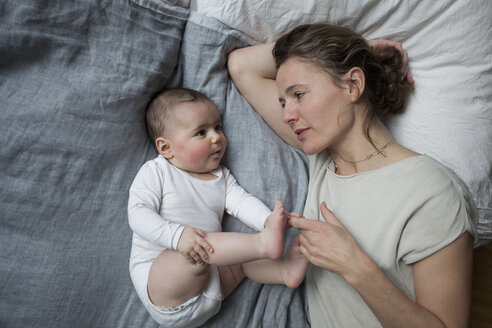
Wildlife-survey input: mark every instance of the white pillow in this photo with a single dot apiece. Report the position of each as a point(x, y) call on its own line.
point(449, 115)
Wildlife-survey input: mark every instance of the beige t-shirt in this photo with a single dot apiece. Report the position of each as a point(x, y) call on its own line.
point(399, 214)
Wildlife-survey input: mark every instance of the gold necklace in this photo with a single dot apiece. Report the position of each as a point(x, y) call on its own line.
point(377, 152)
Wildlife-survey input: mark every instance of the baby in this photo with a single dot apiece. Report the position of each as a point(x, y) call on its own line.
point(181, 264)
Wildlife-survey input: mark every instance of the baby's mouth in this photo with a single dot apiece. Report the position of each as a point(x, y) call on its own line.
point(217, 153)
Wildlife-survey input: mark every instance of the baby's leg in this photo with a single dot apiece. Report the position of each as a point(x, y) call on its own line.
point(173, 280)
point(290, 271)
point(230, 277)
point(233, 248)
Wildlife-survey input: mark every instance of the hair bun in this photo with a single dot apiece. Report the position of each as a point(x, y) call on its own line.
point(392, 87)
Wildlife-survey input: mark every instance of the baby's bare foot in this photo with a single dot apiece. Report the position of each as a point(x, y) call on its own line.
point(295, 265)
point(273, 235)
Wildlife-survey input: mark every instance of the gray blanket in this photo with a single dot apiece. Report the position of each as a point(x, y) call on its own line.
point(75, 79)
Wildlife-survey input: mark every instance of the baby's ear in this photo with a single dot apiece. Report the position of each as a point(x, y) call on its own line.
point(163, 146)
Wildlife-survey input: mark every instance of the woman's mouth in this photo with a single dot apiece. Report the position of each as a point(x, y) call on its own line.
point(301, 133)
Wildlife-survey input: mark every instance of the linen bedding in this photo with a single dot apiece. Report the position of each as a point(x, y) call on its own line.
point(75, 79)
point(449, 114)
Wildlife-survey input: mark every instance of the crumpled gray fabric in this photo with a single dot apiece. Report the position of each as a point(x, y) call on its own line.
point(75, 79)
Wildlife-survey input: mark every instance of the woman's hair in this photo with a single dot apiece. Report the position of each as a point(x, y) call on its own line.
point(160, 107)
point(336, 50)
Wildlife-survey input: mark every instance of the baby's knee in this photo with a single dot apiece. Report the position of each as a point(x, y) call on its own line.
point(172, 279)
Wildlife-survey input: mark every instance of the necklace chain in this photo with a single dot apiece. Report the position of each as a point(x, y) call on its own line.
point(377, 152)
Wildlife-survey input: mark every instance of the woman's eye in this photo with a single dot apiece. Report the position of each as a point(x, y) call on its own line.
point(299, 94)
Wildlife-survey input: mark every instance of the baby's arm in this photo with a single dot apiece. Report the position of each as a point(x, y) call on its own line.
point(143, 216)
point(247, 208)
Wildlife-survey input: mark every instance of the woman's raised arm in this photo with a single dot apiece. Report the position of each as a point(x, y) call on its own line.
point(253, 71)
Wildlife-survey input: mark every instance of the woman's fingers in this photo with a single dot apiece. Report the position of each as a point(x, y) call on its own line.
point(303, 223)
point(294, 215)
point(382, 43)
point(329, 216)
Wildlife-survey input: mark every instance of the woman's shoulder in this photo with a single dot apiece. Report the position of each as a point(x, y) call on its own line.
point(319, 161)
point(443, 186)
point(428, 176)
point(443, 205)
point(424, 168)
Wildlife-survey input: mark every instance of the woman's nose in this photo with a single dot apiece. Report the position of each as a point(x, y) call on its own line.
point(289, 114)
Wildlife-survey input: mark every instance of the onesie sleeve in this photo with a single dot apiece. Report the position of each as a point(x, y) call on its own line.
point(447, 212)
point(143, 209)
point(239, 203)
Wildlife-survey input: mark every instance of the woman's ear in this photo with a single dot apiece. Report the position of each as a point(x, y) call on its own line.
point(164, 148)
point(356, 83)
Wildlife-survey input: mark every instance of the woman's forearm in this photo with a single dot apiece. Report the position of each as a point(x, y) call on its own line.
point(442, 286)
point(388, 303)
point(253, 71)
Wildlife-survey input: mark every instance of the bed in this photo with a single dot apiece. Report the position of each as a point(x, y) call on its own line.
point(76, 77)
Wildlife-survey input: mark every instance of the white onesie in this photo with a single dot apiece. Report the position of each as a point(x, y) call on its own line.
point(163, 200)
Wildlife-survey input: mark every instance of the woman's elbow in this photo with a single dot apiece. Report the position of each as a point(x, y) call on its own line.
point(234, 63)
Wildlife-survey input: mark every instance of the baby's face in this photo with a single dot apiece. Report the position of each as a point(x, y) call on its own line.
point(196, 137)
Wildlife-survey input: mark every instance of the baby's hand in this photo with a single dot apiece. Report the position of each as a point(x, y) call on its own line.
point(193, 246)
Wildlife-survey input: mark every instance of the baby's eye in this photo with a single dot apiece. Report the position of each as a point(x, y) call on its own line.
point(201, 133)
point(218, 127)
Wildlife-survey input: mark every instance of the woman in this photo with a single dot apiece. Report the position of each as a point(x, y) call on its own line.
point(391, 231)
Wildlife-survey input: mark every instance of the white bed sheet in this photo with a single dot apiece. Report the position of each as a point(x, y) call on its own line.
point(449, 115)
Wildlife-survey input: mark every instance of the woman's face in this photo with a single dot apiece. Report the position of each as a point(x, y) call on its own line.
point(317, 110)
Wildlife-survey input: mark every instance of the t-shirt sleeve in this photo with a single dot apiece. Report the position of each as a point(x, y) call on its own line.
point(244, 206)
point(441, 218)
point(143, 209)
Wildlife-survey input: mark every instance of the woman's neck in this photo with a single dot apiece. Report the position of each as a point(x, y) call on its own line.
point(355, 153)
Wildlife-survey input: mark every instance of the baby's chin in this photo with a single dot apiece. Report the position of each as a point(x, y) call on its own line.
point(216, 166)
point(212, 167)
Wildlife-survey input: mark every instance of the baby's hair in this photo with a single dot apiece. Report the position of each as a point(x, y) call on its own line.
point(163, 104)
point(336, 50)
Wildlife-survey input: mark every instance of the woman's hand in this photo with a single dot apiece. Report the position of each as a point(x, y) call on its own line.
point(328, 245)
point(383, 43)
